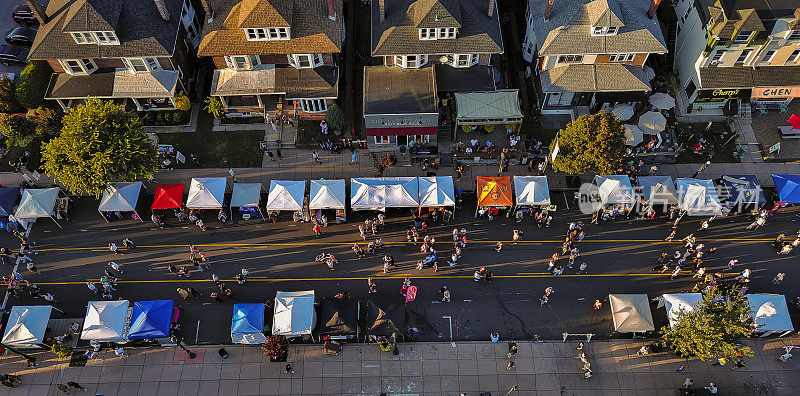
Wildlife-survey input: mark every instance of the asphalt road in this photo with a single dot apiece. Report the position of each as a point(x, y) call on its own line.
point(281, 257)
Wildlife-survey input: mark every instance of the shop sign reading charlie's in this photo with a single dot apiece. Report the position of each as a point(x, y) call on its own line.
point(720, 95)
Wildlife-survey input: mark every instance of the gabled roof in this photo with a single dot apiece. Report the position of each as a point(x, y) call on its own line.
point(311, 30)
point(568, 31)
point(93, 15)
point(398, 33)
point(601, 77)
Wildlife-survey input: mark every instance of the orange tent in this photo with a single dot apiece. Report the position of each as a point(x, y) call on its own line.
point(494, 191)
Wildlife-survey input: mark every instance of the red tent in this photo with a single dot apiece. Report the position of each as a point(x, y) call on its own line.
point(794, 120)
point(168, 196)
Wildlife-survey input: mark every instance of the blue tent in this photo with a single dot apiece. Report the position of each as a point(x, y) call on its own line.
point(8, 198)
point(743, 189)
point(151, 319)
point(788, 187)
point(247, 326)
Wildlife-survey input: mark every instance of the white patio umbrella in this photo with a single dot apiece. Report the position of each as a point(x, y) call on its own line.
point(623, 111)
point(662, 101)
point(652, 123)
point(633, 135)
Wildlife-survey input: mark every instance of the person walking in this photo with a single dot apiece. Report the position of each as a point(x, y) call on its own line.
point(598, 304)
point(113, 247)
point(115, 266)
point(50, 298)
point(92, 287)
point(183, 293)
point(128, 243)
point(373, 288)
point(315, 156)
point(676, 272)
point(778, 279)
point(76, 386)
point(354, 158)
point(445, 294)
point(32, 268)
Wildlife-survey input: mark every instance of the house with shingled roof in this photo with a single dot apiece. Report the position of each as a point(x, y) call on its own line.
point(730, 52)
point(274, 57)
point(437, 47)
point(590, 52)
point(137, 53)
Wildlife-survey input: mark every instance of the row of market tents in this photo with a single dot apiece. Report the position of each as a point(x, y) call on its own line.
point(631, 312)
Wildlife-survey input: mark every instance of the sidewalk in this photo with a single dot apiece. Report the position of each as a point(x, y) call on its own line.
point(420, 368)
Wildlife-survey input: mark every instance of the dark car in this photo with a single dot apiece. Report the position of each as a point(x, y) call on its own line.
point(21, 36)
point(11, 54)
point(23, 15)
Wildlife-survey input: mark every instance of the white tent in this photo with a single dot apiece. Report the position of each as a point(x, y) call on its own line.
point(286, 195)
point(37, 203)
point(770, 313)
point(436, 191)
point(327, 194)
point(658, 190)
point(121, 197)
point(675, 303)
point(614, 189)
point(631, 313)
point(107, 321)
point(294, 313)
point(379, 193)
point(206, 193)
point(246, 195)
point(698, 197)
point(531, 190)
point(26, 326)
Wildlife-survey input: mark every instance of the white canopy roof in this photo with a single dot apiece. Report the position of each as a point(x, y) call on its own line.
point(770, 312)
point(531, 190)
point(120, 197)
point(698, 197)
point(658, 190)
point(327, 194)
point(206, 193)
point(368, 193)
point(677, 302)
point(286, 195)
point(37, 203)
point(294, 313)
point(631, 313)
point(435, 191)
point(26, 325)
point(106, 321)
point(614, 189)
point(245, 194)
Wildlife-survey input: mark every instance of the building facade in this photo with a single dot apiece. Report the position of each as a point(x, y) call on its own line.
point(729, 51)
point(274, 56)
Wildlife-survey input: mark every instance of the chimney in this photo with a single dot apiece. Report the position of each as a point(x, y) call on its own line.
point(331, 10)
point(490, 10)
point(549, 9)
point(382, 9)
point(162, 8)
point(207, 8)
point(38, 11)
point(653, 8)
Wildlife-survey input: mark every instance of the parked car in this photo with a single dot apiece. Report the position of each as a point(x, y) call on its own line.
point(12, 54)
point(23, 15)
point(21, 36)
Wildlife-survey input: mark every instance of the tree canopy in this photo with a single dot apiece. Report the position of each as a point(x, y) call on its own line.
point(592, 143)
point(99, 142)
point(32, 84)
point(713, 329)
point(335, 117)
point(8, 103)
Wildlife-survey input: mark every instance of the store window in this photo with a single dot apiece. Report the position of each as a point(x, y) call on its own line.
point(314, 105)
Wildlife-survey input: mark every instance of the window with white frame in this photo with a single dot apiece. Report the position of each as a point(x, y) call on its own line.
point(101, 38)
point(427, 34)
point(570, 58)
point(83, 37)
point(447, 33)
point(794, 57)
point(142, 65)
point(793, 35)
point(437, 33)
point(743, 36)
point(717, 56)
point(78, 66)
point(305, 61)
point(604, 30)
point(242, 62)
point(264, 34)
point(744, 55)
point(622, 57)
point(382, 139)
point(768, 56)
point(411, 61)
point(464, 60)
point(314, 105)
point(106, 38)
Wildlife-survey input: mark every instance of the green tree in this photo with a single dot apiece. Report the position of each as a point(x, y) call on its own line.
point(32, 84)
point(214, 106)
point(335, 117)
point(591, 143)
point(61, 350)
point(99, 142)
point(182, 103)
point(713, 329)
point(18, 129)
point(8, 103)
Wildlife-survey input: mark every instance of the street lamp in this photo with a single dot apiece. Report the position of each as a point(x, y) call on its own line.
point(179, 342)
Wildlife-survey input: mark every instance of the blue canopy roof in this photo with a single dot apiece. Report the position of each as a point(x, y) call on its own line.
point(151, 319)
point(743, 189)
point(8, 198)
point(248, 318)
point(788, 187)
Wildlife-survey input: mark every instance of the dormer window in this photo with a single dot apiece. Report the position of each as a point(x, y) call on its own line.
point(267, 34)
point(78, 66)
point(242, 62)
point(604, 30)
point(437, 33)
point(142, 65)
point(101, 38)
point(305, 61)
point(743, 36)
